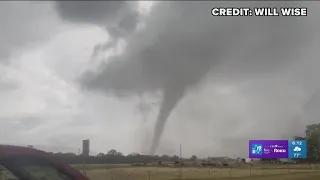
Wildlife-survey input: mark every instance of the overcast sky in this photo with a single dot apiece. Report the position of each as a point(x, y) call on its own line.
point(79, 70)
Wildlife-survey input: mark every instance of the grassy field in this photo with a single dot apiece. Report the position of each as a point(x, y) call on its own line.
point(275, 172)
point(243, 172)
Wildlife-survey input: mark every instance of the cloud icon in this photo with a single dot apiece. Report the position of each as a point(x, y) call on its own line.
point(297, 149)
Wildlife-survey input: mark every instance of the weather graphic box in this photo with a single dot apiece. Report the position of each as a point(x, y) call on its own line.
point(297, 149)
point(268, 148)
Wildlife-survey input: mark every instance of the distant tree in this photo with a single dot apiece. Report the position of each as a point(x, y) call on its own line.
point(313, 141)
point(268, 160)
point(119, 154)
point(113, 152)
point(312, 135)
point(134, 154)
point(300, 138)
point(156, 157)
point(165, 158)
point(70, 154)
point(100, 155)
point(193, 158)
point(175, 158)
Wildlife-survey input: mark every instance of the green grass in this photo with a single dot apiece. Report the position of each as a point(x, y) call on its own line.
point(243, 172)
point(274, 172)
point(99, 166)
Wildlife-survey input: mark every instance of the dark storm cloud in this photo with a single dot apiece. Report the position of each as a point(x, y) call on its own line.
point(183, 43)
point(95, 12)
point(119, 18)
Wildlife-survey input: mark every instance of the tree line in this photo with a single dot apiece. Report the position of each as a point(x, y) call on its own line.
point(115, 157)
point(312, 136)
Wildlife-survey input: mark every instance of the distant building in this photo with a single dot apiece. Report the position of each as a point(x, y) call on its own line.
point(253, 161)
point(222, 160)
point(286, 160)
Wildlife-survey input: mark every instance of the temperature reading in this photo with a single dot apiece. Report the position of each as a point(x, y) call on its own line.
point(296, 155)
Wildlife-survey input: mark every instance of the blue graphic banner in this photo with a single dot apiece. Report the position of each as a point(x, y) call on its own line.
point(277, 149)
point(297, 149)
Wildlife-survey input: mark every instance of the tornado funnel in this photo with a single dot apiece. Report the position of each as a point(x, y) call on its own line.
point(171, 97)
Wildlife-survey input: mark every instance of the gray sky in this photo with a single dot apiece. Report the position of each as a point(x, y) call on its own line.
point(76, 70)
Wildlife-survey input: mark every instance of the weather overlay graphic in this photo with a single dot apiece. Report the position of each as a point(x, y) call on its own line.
point(297, 149)
point(277, 149)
